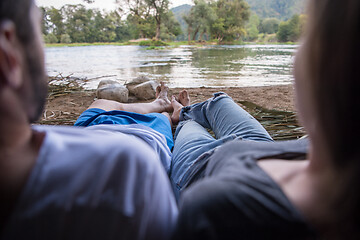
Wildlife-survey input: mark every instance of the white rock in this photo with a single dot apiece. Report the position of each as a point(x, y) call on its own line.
point(112, 90)
point(137, 81)
point(145, 91)
point(107, 82)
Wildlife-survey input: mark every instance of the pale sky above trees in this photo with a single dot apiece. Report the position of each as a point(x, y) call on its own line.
point(101, 4)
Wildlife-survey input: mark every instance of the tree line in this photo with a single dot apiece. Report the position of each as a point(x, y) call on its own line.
point(135, 19)
point(221, 20)
point(274, 30)
point(226, 20)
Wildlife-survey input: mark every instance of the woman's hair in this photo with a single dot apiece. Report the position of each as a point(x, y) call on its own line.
point(332, 58)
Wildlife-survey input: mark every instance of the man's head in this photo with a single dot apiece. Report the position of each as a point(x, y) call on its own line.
point(21, 55)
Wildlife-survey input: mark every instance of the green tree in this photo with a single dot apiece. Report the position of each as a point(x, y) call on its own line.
point(50, 38)
point(150, 18)
point(252, 28)
point(65, 38)
point(142, 27)
point(56, 22)
point(295, 28)
point(218, 29)
point(231, 18)
point(114, 23)
point(160, 9)
point(103, 27)
point(291, 29)
point(189, 19)
point(75, 23)
point(138, 16)
point(45, 21)
point(124, 32)
point(284, 32)
point(171, 27)
point(200, 19)
point(269, 25)
point(78, 23)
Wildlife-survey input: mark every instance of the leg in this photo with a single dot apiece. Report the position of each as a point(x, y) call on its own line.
point(166, 114)
point(159, 105)
point(153, 115)
point(191, 141)
point(225, 118)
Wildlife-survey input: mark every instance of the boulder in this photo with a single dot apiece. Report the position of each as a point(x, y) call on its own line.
point(136, 81)
point(145, 91)
point(112, 90)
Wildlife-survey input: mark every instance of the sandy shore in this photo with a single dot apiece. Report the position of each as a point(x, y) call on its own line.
point(67, 106)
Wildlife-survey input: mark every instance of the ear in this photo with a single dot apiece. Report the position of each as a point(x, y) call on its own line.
point(10, 57)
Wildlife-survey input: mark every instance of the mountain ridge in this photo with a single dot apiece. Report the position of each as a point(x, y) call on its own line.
point(280, 9)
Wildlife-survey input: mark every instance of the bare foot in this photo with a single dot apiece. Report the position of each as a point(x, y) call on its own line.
point(182, 101)
point(162, 97)
point(184, 98)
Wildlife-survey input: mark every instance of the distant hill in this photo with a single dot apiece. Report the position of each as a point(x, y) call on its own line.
point(280, 9)
point(179, 12)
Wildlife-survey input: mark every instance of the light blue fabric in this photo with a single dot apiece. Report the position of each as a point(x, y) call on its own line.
point(193, 143)
point(101, 182)
point(156, 121)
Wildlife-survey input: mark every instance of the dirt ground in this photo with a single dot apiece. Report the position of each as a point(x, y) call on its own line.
point(63, 109)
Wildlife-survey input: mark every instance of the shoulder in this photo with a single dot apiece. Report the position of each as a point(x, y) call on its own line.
point(241, 147)
point(81, 144)
point(236, 199)
point(215, 209)
point(115, 179)
point(239, 156)
point(76, 153)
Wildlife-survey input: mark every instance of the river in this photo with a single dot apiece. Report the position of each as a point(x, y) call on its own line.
point(185, 66)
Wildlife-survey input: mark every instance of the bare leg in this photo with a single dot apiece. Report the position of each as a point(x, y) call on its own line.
point(159, 105)
point(166, 114)
point(177, 104)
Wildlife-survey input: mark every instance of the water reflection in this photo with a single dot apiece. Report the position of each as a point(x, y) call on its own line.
point(186, 66)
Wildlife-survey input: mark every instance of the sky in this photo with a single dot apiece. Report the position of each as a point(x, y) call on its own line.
point(101, 4)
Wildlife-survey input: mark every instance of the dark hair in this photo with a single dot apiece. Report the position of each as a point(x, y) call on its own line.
point(332, 55)
point(18, 11)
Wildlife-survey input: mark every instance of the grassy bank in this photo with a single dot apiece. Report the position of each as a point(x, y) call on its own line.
point(87, 44)
point(169, 44)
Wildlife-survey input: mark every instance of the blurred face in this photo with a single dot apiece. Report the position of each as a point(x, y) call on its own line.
point(35, 78)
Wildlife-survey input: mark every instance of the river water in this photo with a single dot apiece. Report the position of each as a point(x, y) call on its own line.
point(185, 66)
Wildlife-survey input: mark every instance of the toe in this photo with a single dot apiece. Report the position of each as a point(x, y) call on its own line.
point(158, 90)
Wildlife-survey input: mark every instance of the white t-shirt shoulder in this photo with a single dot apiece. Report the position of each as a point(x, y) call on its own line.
point(154, 139)
point(96, 185)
